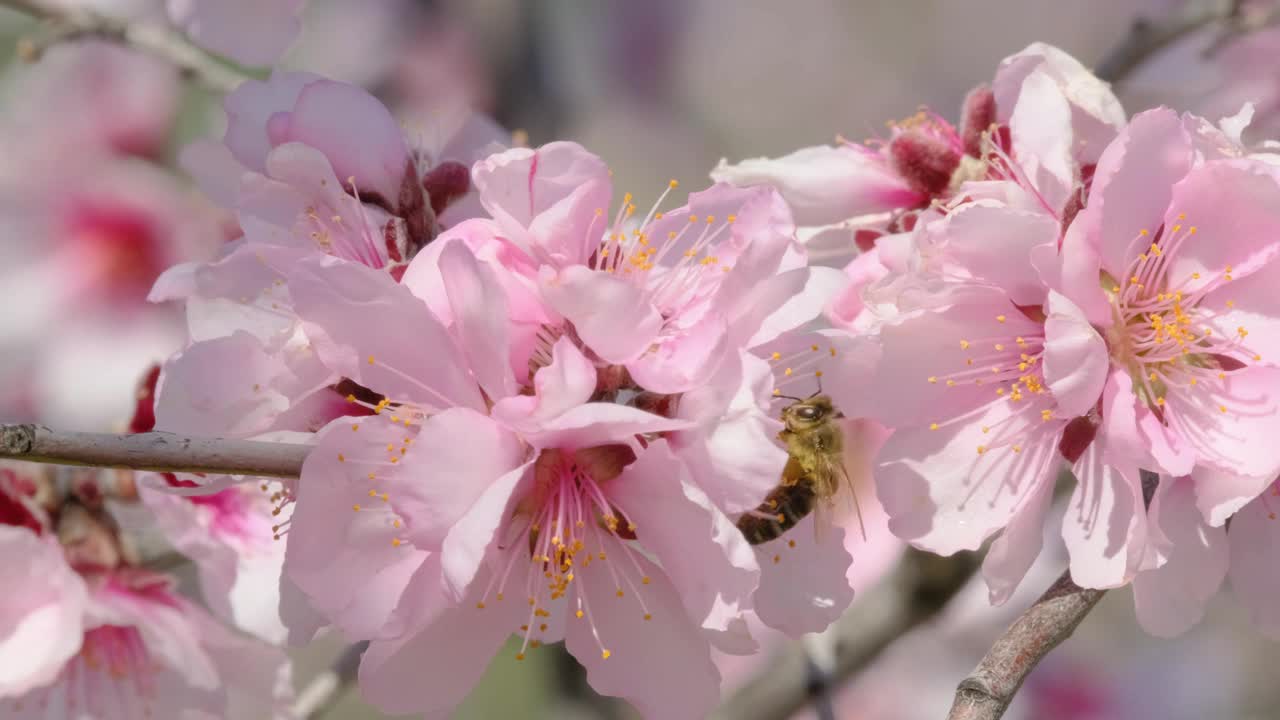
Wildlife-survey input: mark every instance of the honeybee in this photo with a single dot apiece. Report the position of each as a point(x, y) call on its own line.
point(813, 476)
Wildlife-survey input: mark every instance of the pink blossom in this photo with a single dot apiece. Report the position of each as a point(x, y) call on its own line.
point(699, 282)
point(1043, 120)
point(42, 613)
point(146, 651)
point(987, 399)
point(1172, 260)
point(455, 494)
point(1197, 557)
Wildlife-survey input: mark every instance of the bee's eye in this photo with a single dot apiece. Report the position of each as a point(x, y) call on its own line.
point(808, 413)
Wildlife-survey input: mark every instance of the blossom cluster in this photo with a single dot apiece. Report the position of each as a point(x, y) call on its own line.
point(541, 408)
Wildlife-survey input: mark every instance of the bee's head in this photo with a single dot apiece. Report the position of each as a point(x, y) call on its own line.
point(808, 413)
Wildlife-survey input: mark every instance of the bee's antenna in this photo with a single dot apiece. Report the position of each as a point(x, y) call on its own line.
point(791, 397)
point(817, 392)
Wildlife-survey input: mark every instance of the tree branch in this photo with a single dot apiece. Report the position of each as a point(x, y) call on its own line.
point(920, 586)
point(157, 451)
point(1147, 38)
point(989, 689)
point(75, 23)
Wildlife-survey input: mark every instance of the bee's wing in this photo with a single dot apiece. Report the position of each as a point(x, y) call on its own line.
point(837, 498)
point(847, 497)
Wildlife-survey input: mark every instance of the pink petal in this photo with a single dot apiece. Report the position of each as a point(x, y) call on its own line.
point(477, 531)
point(847, 306)
point(1238, 439)
point(1132, 185)
point(928, 344)
point(1255, 307)
point(785, 302)
point(612, 316)
point(1075, 358)
point(1011, 555)
point(567, 382)
point(250, 106)
point(41, 615)
point(346, 310)
point(480, 319)
point(1105, 526)
point(1255, 544)
point(599, 423)
point(993, 242)
point(431, 668)
point(225, 386)
point(733, 450)
point(1172, 598)
point(450, 465)
point(354, 130)
point(662, 666)
point(251, 32)
point(944, 496)
point(704, 555)
point(826, 184)
point(804, 588)
point(1233, 211)
point(684, 362)
point(1220, 494)
point(1096, 113)
point(547, 198)
point(344, 559)
point(1040, 128)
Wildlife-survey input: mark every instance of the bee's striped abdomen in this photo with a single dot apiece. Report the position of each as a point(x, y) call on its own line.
point(785, 507)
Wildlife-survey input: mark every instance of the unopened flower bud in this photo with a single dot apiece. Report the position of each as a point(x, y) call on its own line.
point(925, 162)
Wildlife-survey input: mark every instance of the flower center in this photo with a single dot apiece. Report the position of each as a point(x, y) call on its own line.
point(1162, 333)
point(569, 524)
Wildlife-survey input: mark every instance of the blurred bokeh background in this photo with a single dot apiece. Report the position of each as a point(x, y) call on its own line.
point(91, 209)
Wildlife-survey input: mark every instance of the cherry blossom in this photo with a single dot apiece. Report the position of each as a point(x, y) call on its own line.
point(475, 480)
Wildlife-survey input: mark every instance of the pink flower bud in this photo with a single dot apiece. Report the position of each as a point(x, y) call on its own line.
point(925, 162)
point(977, 114)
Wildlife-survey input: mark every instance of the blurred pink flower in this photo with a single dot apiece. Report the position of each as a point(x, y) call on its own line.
point(42, 613)
point(87, 633)
point(251, 32)
point(146, 651)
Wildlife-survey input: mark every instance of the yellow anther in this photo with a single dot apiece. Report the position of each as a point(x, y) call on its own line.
point(933, 426)
point(480, 605)
point(396, 542)
point(673, 184)
point(933, 379)
point(605, 654)
point(341, 457)
point(356, 507)
point(964, 344)
point(1000, 318)
point(370, 359)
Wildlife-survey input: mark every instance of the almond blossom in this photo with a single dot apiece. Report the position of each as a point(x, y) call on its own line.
point(87, 632)
point(1172, 261)
point(475, 481)
point(926, 158)
point(1199, 556)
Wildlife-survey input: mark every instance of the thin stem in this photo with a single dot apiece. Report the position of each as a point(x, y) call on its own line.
point(326, 689)
point(156, 451)
point(75, 23)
